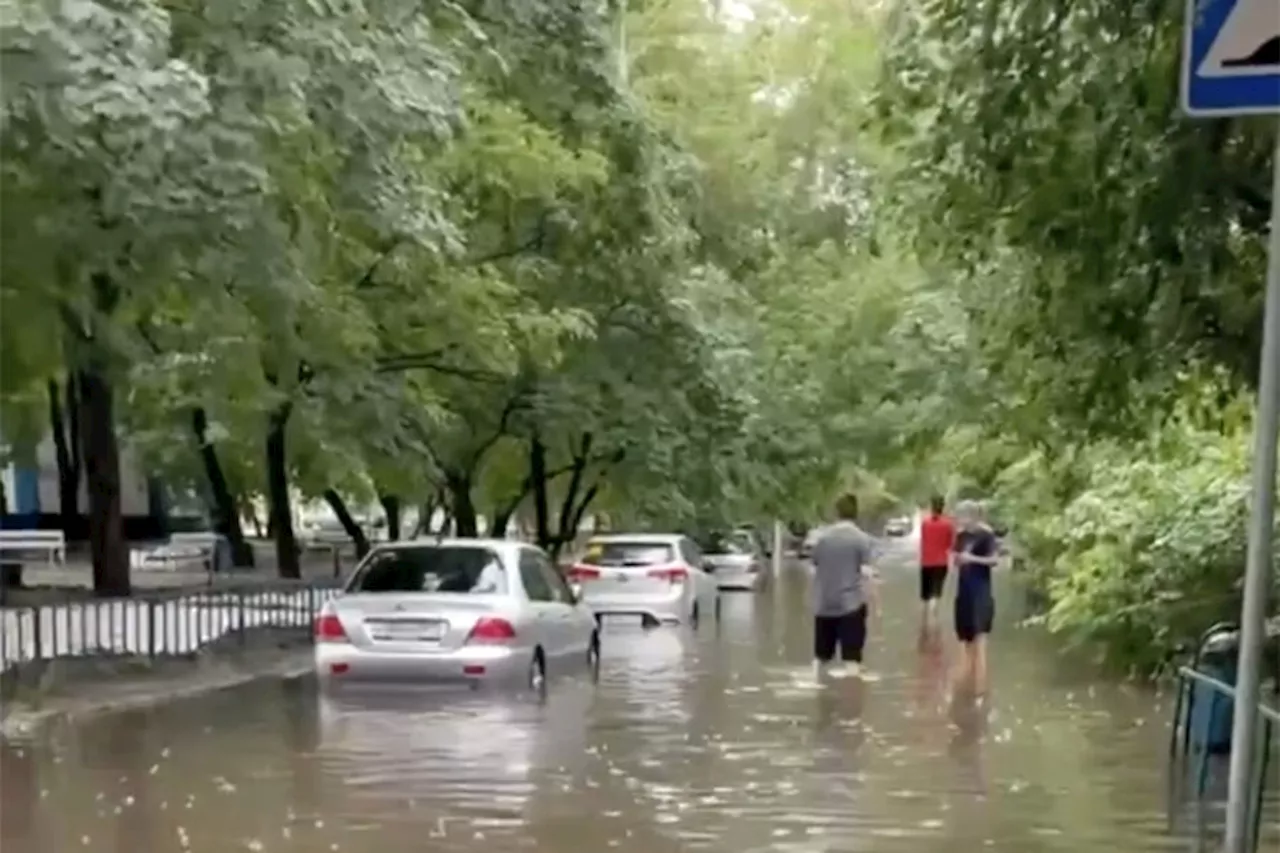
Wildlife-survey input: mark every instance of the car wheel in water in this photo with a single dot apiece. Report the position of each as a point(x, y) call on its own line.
point(719, 599)
point(537, 672)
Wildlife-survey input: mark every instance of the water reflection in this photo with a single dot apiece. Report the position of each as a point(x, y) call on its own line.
point(969, 718)
point(708, 741)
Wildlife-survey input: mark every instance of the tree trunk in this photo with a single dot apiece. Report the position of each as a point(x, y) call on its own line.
point(579, 514)
point(564, 520)
point(64, 424)
point(501, 521)
point(287, 563)
point(423, 527)
point(566, 531)
point(10, 573)
point(247, 511)
point(538, 476)
point(464, 509)
point(391, 509)
point(100, 450)
point(357, 534)
point(226, 515)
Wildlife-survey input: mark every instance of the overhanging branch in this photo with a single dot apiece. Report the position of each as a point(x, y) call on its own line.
point(431, 361)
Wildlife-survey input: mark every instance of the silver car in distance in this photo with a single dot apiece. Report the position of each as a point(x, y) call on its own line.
point(454, 610)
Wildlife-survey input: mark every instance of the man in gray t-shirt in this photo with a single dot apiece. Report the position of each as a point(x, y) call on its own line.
point(842, 588)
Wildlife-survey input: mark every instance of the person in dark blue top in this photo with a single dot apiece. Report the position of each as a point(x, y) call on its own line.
point(976, 552)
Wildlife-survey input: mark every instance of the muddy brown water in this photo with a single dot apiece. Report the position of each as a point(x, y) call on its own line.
point(712, 740)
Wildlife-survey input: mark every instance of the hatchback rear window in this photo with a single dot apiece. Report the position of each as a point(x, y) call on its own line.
point(459, 569)
point(720, 543)
point(628, 554)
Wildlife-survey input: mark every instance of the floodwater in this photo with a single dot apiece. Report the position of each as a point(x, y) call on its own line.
point(708, 741)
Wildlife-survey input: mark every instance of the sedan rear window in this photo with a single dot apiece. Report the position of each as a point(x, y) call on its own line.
point(628, 554)
point(457, 569)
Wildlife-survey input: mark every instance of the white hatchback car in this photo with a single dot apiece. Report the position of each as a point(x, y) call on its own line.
point(658, 577)
point(454, 610)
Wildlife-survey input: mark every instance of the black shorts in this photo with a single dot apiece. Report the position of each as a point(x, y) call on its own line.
point(932, 581)
point(974, 616)
point(849, 632)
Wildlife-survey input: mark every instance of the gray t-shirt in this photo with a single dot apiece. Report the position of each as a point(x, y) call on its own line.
point(839, 555)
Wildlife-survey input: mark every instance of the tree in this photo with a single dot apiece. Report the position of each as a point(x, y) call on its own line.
point(1108, 244)
point(113, 147)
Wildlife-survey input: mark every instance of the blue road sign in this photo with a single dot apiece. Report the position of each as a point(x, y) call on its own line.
point(1231, 59)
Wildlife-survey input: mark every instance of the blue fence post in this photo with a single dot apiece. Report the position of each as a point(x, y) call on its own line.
point(1260, 783)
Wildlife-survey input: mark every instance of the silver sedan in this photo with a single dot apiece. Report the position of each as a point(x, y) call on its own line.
point(454, 610)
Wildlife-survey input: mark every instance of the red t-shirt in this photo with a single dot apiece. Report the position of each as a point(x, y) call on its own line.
point(937, 533)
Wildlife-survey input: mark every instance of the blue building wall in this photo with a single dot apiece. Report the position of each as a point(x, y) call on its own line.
point(26, 491)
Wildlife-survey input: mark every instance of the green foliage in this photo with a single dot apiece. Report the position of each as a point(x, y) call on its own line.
point(1105, 242)
point(1107, 258)
point(1150, 550)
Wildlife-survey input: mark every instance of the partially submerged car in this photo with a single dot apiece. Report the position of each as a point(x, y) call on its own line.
point(735, 560)
point(657, 577)
point(454, 610)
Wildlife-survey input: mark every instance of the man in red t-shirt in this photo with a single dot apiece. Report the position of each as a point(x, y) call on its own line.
point(937, 536)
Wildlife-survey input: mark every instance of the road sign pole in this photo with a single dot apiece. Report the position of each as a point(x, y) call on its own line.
point(1257, 580)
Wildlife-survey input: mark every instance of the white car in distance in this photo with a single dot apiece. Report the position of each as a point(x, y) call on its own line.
point(464, 611)
point(735, 561)
point(657, 577)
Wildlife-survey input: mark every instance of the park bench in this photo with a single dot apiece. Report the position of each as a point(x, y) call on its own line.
point(182, 549)
point(51, 543)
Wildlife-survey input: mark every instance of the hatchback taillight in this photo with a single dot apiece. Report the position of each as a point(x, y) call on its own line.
point(579, 574)
point(676, 575)
point(490, 630)
point(328, 629)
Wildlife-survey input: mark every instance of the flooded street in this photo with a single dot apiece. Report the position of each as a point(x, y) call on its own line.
point(712, 740)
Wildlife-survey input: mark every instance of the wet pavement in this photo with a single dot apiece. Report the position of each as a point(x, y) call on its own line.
point(712, 740)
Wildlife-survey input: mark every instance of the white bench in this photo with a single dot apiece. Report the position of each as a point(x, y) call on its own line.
point(181, 549)
point(52, 543)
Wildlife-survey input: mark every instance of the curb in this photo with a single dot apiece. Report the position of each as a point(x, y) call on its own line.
point(21, 720)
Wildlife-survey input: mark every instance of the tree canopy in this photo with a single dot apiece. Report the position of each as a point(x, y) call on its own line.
point(511, 257)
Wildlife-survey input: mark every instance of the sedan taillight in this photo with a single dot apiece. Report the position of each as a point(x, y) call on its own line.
point(328, 629)
point(490, 631)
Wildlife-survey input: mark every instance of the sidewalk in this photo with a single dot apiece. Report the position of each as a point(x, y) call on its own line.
point(40, 580)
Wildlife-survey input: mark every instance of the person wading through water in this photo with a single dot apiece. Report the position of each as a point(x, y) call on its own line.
point(937, 538)
point(976, 552)
point(844, 594)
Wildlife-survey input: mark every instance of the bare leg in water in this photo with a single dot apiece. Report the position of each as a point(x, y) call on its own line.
point(979, 650)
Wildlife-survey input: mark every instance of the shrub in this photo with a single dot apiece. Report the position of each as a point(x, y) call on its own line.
point(1138, 548)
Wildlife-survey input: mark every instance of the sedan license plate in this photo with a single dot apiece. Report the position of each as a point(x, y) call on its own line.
point(406, 631)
